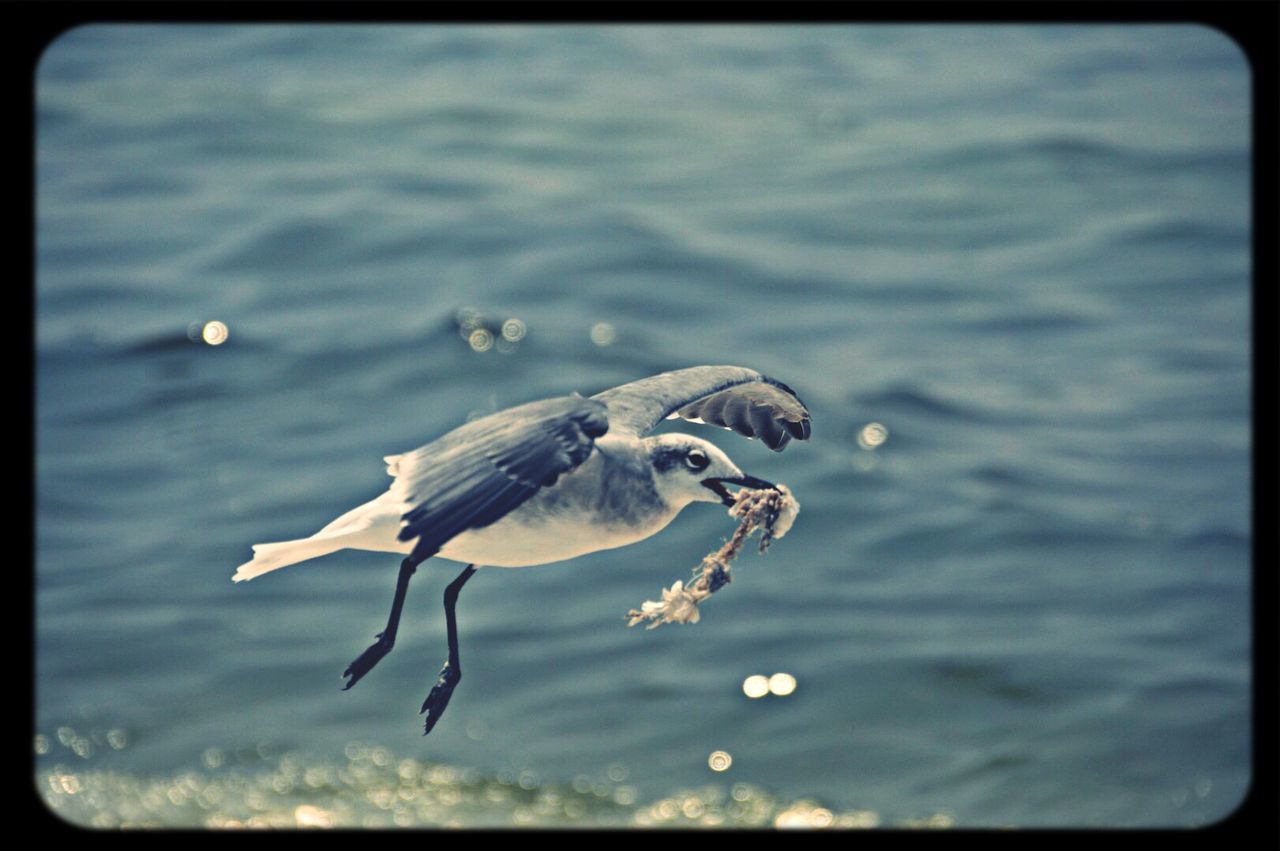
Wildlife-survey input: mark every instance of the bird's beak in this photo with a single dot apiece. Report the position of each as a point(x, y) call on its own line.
point(718, 485)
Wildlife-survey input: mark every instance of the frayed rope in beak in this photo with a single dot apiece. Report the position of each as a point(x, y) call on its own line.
point(771, 510)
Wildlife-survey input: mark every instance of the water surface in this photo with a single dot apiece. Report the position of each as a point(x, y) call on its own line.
point(1023, 251)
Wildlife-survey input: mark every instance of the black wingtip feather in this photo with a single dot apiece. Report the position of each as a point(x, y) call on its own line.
point(759, 410)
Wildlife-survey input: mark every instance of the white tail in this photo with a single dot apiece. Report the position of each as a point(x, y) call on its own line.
point(269, 557)
point(372, 526)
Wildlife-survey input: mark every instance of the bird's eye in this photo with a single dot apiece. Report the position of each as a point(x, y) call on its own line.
point(697, 460)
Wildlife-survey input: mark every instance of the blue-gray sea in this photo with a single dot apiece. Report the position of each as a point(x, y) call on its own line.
point(1006, 267)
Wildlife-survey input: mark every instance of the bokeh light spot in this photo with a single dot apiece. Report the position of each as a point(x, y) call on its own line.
point(865, 462)
point(603, 334)
point(308, 815)
point(756, 685)
point(513, 330)
point(468, 319)
point(872, 435)
point(782, 684)
point(719, 760)
point(215, 333)
point(481, 340)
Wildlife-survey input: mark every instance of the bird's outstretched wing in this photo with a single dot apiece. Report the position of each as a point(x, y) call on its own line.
point(734, 397)
point(479, 472)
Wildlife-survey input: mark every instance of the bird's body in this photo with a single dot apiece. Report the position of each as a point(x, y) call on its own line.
point(608, 502)
point(598, 506)
point(551, 480)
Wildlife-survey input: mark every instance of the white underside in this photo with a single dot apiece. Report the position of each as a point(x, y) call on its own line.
point(516, 540)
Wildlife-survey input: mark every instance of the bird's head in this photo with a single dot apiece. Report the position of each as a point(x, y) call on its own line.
point(688, 469)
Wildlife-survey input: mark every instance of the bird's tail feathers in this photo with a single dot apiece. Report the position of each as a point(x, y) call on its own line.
point(269, 557)
point(372, 526)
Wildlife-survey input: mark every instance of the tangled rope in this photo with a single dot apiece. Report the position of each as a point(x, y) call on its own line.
point(770, 510)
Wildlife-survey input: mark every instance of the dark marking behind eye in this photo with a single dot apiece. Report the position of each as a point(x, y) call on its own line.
point(666, 457)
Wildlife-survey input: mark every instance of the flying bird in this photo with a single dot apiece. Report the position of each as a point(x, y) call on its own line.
point(547, 481)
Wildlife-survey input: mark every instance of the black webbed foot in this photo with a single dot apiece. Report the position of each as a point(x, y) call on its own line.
point(433, 707)
point(366, 660)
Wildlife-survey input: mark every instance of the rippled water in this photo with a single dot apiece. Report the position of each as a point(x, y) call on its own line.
point(1021, 252)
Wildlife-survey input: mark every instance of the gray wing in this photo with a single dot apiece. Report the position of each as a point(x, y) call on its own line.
point(481, 471)
point(734, 397)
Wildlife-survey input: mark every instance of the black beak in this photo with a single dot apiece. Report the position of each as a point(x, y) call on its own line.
point(718, 485)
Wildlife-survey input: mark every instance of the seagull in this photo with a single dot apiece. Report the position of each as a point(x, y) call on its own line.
point(548, 481)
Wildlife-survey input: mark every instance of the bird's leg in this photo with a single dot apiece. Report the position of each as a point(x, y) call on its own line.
point(387, 638)
point(451, 673)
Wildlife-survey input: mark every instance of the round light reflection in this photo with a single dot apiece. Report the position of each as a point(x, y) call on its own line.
point(603, 334)
point(872, 435)
point(720, 760)
point(481, 340)
point(782, 684)
point(513, 330)
point(215, 333)
point(756, 685)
